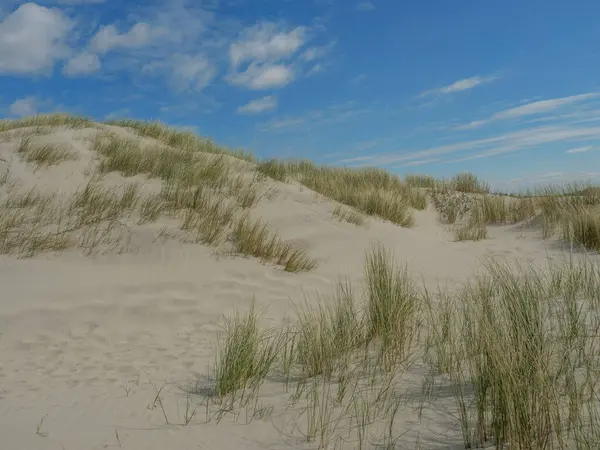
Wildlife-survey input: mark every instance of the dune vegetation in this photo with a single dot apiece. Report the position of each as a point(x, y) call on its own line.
point(196, 173)
point(517, 348)
point(514, 351)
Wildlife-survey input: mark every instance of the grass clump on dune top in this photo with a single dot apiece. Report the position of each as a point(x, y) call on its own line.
point(468, 182)
point(574, 212)
point(374, 192)
point(46, 120)
point(422, 181)
point(184, 167)
point(182, 139)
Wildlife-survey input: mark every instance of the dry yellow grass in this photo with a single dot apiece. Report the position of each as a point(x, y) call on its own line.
point(348, 214)
point(371, 191)
point(201, 187)
point(472, 231)
point(46, 120)
point(44, 155)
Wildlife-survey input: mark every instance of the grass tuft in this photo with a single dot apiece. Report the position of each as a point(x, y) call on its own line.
point(392, 305)
point(421, 181)
point(46, 120)
point(328, 333)
point(254, 238)
point(470, 232)
point(246, 355)
point(274, 169)
point(181, 139)
point(44, 154)
point(469, 183)
point(347, 214)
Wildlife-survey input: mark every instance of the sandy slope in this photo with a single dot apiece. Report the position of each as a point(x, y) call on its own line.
point(84, 341)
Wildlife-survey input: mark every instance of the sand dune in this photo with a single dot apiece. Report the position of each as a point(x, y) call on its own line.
point(93, 344)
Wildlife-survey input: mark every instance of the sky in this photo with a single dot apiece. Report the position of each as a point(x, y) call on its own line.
point(508, 90)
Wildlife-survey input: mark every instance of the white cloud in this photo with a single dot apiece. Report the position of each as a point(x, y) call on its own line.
point(463, 85)
point(109, 38)
point(195, 72)
point(178, 41)
point(118, 114)
point(267, 55)
point(24, 107)
point(32, 39)
point(538, 107)
point(586, 148)
point(365, 6)
point(460, 85)
point(266, 42)
point(317, 68)
point(542, 106)
point(317, 52)
point(533, 180)
point(358, 79)
point(263, 76)
point(417, 162)
point(337, 113)
point(259, 105)
point(497, 145)
point(181, 41)
point(84, 63)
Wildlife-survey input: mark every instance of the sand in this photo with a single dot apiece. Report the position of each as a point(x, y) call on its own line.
point(86, 342)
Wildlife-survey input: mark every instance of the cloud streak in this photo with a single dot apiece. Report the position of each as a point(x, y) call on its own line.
point(459, 86)
point(586, 148)
point(483, 148)
point(259, 106)
point(533, 108)
point(365, 6)
point(337, 113)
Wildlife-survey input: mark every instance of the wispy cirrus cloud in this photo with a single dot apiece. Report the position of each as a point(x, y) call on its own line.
point(482, 148)
point(459, 86)
point(365, 6)
point(583, 149)
point(533, 179)
point(259, 105)
point(358, 79)
point(529, 109)
point(337, 113)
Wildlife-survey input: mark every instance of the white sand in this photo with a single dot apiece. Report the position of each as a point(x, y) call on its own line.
point(85, 340)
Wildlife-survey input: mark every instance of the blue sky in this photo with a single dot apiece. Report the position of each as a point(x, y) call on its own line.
point(508, 90)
